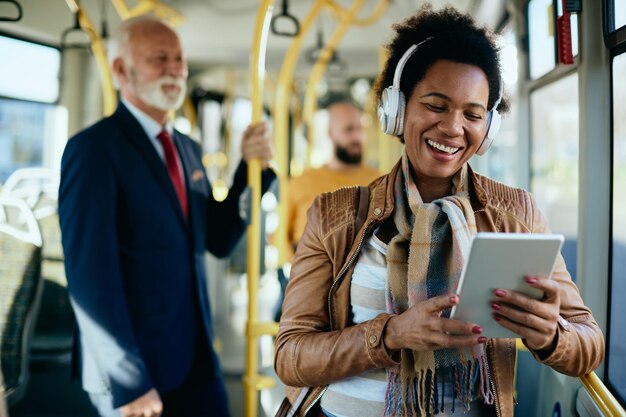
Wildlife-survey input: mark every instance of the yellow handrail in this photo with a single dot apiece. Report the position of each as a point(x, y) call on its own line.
point(310, 98)
point(602, 396)
point(252, 380)
point(339, 11)
point(281, 125)
point(109, 99)
point(161, 10)
point(598, 392)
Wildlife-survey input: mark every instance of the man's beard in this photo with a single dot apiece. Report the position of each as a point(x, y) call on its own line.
point(153, 94)
point(346, 157)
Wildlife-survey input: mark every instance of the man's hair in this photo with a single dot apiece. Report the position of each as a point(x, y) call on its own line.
point(345, 103)
point(118, 46)
point(455, 37)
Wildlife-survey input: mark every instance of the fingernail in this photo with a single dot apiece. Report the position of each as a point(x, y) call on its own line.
point(477, 329)
point(454, 299)
point(531, 280)
point(499, 293)
point(496, 306)
point(482, 339)
point(496, 317)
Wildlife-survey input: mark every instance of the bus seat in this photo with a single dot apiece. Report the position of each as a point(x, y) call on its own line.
point(20, 292)
point(52, 340)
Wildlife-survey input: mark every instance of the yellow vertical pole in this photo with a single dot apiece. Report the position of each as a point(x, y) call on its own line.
point(252, 380)
point(109, 99)
point(281, 126)
point(310, 98)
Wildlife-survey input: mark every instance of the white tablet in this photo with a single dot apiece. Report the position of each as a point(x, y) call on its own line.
point(502, 260)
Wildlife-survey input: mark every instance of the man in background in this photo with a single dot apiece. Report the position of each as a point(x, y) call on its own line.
point(137, 214)
point(345, 168)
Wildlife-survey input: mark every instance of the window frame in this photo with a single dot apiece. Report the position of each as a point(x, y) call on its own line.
point(617, 50)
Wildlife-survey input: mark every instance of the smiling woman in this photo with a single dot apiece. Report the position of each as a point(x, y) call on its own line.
point(365, 320)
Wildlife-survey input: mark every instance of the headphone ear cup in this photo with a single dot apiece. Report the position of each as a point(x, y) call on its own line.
point(492, 130)
point(388, 110)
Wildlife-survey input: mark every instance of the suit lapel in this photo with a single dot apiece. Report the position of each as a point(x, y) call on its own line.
point(137, 136)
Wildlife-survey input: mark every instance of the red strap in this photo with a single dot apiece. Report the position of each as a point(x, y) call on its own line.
point(174, 169)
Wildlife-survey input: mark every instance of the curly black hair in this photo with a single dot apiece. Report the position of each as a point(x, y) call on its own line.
point(455, 37)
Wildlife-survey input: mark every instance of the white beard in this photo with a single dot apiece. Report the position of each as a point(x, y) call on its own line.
point(153, 94)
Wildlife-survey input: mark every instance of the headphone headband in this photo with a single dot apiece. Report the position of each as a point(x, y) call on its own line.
point(397, 75)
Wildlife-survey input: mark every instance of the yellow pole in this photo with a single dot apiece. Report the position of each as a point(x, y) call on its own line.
point(339, 11)
point(168, 13)
point(252, 380)
point(310, 98)
point(109, 99)
point(602, 396)
point(281, 126)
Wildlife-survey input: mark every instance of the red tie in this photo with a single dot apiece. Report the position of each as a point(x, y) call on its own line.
point(174, 168)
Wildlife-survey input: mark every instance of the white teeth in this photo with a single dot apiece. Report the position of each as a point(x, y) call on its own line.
point(441, 147)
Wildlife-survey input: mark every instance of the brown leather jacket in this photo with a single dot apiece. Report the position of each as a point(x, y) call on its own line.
point(317, 343)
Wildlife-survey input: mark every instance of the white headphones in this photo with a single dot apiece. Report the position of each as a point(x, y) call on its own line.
point(392, 106)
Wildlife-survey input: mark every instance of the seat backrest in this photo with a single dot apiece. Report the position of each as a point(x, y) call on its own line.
point(52, 339)
point(20, 292)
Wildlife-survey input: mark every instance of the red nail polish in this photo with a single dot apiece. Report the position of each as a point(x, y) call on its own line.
point(496, 306)
point(496, 317)
point(499, 293)
point(482, 339)
point(454, 299)
point(477, 329)
point(531, 280)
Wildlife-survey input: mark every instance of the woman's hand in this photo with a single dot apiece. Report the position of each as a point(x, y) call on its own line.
point(422, 328)
point(534, 320)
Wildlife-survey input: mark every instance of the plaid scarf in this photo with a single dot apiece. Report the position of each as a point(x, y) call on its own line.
point(425, 260)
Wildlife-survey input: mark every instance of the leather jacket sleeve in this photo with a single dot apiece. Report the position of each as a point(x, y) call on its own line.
point(310, 349)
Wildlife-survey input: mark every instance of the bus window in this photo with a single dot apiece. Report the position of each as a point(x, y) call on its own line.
point(617, 331)
point(541, 37)
point(619, 14)
point(554, 159)
point(33, 73)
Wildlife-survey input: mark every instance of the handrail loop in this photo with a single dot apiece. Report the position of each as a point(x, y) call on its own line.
point(76, 28)
point(285, 15)
point(20, 12)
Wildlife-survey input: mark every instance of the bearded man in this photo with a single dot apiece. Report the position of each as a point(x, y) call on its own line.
point(137, 214)
point(344, 169)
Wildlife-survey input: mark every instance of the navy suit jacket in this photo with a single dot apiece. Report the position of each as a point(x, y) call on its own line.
point(135, 267)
